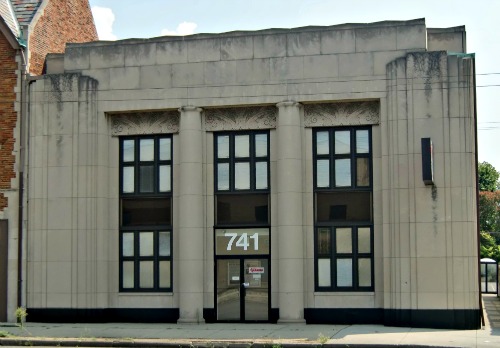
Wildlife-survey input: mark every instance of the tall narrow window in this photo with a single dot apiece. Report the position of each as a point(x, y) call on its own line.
point(343, 209)
point(242, 178)
point(146, 213)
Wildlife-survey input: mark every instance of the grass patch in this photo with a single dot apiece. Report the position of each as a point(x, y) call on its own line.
point(5, 334)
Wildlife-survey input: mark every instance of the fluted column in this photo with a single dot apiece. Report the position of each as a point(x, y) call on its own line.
point(190, 230)
point(290, 229)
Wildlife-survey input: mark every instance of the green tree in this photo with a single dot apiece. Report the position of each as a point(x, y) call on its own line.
point(488, 177)
point(489, 247)
point(489, 212)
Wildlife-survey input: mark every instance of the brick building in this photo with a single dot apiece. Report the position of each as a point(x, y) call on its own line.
point(29, 30)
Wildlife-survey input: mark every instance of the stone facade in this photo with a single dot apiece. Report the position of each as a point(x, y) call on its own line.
point(45, 27)
point(380, 78)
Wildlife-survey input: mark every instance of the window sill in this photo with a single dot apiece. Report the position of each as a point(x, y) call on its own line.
point(344, 293)
point(142, 294)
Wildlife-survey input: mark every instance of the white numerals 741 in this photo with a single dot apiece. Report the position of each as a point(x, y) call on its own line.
point(242, 242)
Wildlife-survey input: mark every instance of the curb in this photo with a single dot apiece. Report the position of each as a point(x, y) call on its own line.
point(26, 342)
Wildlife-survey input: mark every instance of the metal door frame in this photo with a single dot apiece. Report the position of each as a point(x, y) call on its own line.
point(242, 258)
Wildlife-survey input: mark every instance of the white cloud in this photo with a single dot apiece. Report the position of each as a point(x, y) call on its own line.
point(185, 28)
point(104, 18)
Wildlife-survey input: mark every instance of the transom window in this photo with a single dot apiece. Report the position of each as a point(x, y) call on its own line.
point(343, 209)
point(146, 213)
point(242, 161)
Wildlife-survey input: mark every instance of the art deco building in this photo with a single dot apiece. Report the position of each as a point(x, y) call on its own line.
point(317, 174)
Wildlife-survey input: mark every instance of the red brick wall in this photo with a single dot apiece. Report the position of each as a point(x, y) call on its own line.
point(8, 80)
point(62, 21)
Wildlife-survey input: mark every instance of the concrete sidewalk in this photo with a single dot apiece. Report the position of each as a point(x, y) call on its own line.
point(254, 335)
point(242, 335)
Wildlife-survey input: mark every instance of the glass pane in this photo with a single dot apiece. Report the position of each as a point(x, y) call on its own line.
point(146, 279)
point(242, 146)
point(128, 274)
point(322, 173)
point(364, 245)
point(324, 273)
point(242, 209)
point(343, 172)
point(228, 289)
point(242, 176)
point(128, 180)
point(492, 273)
point(128, 244)
point(344, 272)
point(146, 211)
point(147, 147)
point(365, 272)
point(344, 240)
point(343, 206)
point(223, 146)
point(165, 149)
point(146, 244)
point(128, 151)
point(261, 175)
point(260, 145)
point(256, 297)
point(164, 241)
point(342, 142)
point(242, 241)
point(165, 180)
point(362, 172)
point(146, 175)
point(483, 277)
point(223, 176)
point(324, 241)
point(362, 145)
point(322, 143)
point(164, 274)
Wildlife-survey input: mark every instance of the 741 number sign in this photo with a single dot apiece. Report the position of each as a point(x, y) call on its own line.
point(243, 241)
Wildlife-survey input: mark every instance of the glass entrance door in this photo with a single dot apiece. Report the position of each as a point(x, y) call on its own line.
point(243, 289)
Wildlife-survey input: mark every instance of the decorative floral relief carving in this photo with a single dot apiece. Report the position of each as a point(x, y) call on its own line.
point(263, 117)
point(145, 123)
point(342, 114)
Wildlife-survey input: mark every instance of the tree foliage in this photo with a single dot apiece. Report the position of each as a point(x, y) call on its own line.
point(489, 247)
point(488, 177)
point(489, 211)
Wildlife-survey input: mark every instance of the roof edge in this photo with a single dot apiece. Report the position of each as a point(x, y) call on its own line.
point(9, 35)
point(345, 26)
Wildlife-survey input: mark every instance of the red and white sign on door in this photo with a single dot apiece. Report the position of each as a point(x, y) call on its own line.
point(256, 270)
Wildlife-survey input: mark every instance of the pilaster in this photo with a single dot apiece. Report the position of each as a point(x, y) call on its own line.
point(290, 225)
point(190, 231)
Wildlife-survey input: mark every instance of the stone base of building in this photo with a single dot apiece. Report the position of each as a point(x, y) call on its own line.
point(103, 315)
point(458, 319)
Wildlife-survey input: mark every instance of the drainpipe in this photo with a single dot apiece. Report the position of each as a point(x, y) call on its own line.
point(23, 110)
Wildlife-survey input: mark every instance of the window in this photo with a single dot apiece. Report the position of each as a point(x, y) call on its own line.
point(343, 209)
point(146, 213)
point(242, 178)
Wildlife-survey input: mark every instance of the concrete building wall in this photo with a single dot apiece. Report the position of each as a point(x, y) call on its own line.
point(290, 82)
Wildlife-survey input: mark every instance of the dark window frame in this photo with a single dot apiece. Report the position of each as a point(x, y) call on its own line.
point(137, 229)
point(232, 160)
point(332, 255)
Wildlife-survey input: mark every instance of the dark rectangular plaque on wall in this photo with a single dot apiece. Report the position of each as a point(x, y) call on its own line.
point(427, 161)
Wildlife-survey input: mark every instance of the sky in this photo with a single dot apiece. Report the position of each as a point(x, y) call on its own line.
point(123, 19)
